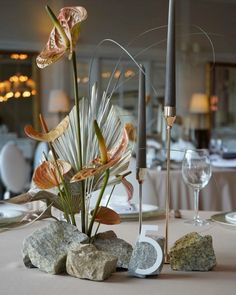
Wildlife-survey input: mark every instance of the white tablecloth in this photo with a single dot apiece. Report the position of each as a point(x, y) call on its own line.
point(16, 279)
point(218, 195)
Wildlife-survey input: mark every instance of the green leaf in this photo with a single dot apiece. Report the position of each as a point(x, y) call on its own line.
point(101, 143)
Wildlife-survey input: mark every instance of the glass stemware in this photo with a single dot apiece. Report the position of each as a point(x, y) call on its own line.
point(196, 172)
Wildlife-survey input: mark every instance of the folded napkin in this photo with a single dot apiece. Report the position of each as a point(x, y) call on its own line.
point(178, 149)
point(217, 161)
point(118, 203)
point(231, 217)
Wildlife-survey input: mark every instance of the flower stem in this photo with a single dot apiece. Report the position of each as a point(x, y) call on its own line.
point(72, 216)
point(106, 178)
point(105, 206)
point(79, 151)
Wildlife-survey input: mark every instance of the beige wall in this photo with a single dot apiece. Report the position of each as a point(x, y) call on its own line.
point(25, 25)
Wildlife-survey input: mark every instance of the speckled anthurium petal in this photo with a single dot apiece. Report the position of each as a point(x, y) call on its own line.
point(69, 19)
point(49, 136)
point(128, 187)
point(118, 150)
point(48, 174)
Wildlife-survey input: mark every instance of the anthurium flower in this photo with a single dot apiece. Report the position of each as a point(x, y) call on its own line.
point(49, 173)
point(47, 136)
point(97, 166)
point(107, 216)
point(64, 35)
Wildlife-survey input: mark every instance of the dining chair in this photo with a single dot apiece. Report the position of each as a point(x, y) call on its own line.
point(14, 169)
point(41, 150)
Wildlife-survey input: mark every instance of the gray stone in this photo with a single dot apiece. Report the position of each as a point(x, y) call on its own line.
point(86, 262)
point(47, 247)
point(144, 256)
point(193, 252)
point(109, 243)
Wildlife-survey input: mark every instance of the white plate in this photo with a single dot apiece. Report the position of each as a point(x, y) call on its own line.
point(11, 213)
point(220, 218)
point(131, 211)
point(218, 162)
point(231, 217)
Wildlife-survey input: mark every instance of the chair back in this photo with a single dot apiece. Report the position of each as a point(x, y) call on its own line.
point(14, 169)
point(41, 149)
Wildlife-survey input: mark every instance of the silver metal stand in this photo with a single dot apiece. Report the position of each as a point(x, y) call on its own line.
point(140, 173)
point(170, 115)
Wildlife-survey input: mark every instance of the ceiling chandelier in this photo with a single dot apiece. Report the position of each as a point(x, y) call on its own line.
point(17, 86)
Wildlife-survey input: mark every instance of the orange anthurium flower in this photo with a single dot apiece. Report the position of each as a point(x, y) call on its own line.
point(48, 136)
point(106, 215)
point(114, 155)
point(64, 35)
point(48, 174)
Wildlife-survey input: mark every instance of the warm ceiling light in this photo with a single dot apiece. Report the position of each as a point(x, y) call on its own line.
point(23, 56)
point(23, 78)
point(117, 74)
point(9, 94)
point(129, 73)
point(14, 78)
point(17, 94)
point(17, 86)
point(14, 56)
point(26, 94)
point(31, 83)
point(106, 75)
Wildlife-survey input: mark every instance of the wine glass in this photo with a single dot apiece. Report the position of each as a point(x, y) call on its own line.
point(196, 172)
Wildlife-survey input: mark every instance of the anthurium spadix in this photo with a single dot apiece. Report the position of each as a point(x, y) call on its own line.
point(64, 35)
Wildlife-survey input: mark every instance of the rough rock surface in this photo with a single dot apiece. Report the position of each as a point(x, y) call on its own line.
point(109, 243)
point(47, 247)
point(144, 256)
point(86, 262)
point(193, 252)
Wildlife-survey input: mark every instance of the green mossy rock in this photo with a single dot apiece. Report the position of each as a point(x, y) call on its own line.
point(193, 252)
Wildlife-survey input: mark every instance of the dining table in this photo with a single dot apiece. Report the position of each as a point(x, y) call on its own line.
point(15, 278)
point(218, 195)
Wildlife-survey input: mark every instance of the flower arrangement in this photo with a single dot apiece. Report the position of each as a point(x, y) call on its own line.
point(89, 149)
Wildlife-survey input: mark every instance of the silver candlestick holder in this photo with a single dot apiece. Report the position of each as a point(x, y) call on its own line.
point(169, 115)
point(140, 174)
